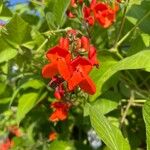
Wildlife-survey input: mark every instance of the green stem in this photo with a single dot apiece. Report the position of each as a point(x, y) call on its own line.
point(42, 45)
point(122, 23)
point(127, 108)
point(126, 36)
point(140, 101)
point(56, 31)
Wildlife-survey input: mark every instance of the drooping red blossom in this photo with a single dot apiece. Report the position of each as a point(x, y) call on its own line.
point(52, 136)
point(92, 56)
point(87, 16)
point(60, 58)
point(60, 111)
point(104, 14)
point(80, 69)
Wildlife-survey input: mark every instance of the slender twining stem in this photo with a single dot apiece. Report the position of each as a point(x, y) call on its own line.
point(122, 22)
point(128, 33)
point(56, 31)
point(127, 108)
point(42, 45)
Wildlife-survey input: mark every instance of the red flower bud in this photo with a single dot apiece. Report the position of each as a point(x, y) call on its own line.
point(85, 43)
point(64, 43)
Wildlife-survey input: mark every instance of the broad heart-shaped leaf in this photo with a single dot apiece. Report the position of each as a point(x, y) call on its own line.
point(140, 60)
point(26, 103)
point(59, 11)
point(18, 32)
point(109, 133)
point(6, 52)
point(146, 116)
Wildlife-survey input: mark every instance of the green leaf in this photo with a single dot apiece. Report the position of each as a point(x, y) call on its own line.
point(146, 116)
point(26, 103)
point(5, 13)
point(106, 103)
point(7, 54)
point(109, 133)
point(60, 8)
point(61, 145)
point(138, 11)
point(18, 32)
point(35, 84)
point(138, 61)
point(50, 18)
point(6, 51)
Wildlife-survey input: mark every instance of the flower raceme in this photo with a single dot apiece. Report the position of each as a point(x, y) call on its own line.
point(100, 12)
point(68, 69)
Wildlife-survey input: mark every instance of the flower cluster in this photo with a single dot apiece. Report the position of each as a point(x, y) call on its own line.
point(97, 11)
point(70, 62)
point(101, 12)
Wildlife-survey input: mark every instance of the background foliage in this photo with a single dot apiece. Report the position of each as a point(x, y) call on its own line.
point(119, 111)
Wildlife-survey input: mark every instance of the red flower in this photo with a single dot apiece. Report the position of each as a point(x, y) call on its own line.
point(92, 56)
point(60, 111)
point(52, 136)
point(104, 14)
point(87, 16)
point(60, 58)
point(80, 69)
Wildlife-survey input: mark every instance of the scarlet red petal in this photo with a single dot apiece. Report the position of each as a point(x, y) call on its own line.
point(93, 3)
point(85, 43)
point(63, 69)
point(50, 70)
point(92, 55)
point(86, 65)
point(56, 50)
point(64, 43)
point(74, 80)
point(86, 12)
point(90, 20)
point(88, 85)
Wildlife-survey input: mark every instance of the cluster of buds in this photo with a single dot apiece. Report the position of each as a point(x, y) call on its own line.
point(70, 62)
